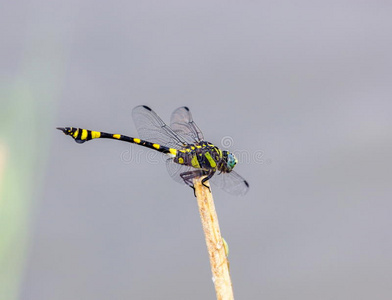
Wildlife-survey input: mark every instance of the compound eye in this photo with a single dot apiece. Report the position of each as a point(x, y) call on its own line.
point(231, 161)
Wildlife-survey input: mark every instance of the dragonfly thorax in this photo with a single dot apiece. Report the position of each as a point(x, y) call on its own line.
point(205, 155)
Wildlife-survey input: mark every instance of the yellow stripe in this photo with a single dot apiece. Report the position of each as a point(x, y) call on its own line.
point(173, 151)
point(195, 162)
point(84, 134)
point(181, 160)
point(95, 134)
point(75, 135)
point(156, 146)
point(116, 136)
point(210, 160)
point(137, 141)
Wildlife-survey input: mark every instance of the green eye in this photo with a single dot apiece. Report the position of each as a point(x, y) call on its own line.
point(231, 161)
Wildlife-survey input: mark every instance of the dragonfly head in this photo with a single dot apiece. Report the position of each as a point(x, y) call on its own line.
point(229, 161)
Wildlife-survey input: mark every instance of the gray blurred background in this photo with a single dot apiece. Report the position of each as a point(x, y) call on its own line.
point(301, 90)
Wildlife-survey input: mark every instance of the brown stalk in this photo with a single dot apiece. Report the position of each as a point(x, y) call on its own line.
point(214, 241)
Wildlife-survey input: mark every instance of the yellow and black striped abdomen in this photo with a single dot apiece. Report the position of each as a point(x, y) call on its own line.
point(82, 135)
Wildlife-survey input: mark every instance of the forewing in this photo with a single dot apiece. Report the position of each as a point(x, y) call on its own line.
point(231, 182)
point(151, 128)
point(182, 123)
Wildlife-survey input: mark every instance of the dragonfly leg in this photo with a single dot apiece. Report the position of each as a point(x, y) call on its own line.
point(209, 175)
point(188, 177)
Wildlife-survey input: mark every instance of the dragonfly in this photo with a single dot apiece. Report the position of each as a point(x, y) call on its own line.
point(189, 155)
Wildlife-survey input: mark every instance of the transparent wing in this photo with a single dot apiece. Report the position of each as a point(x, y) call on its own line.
point(151, 128)
point(231, 182)
point(175, 170)
point(182, 123)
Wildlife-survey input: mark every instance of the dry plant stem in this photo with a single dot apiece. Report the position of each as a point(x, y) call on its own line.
point(215, 246)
